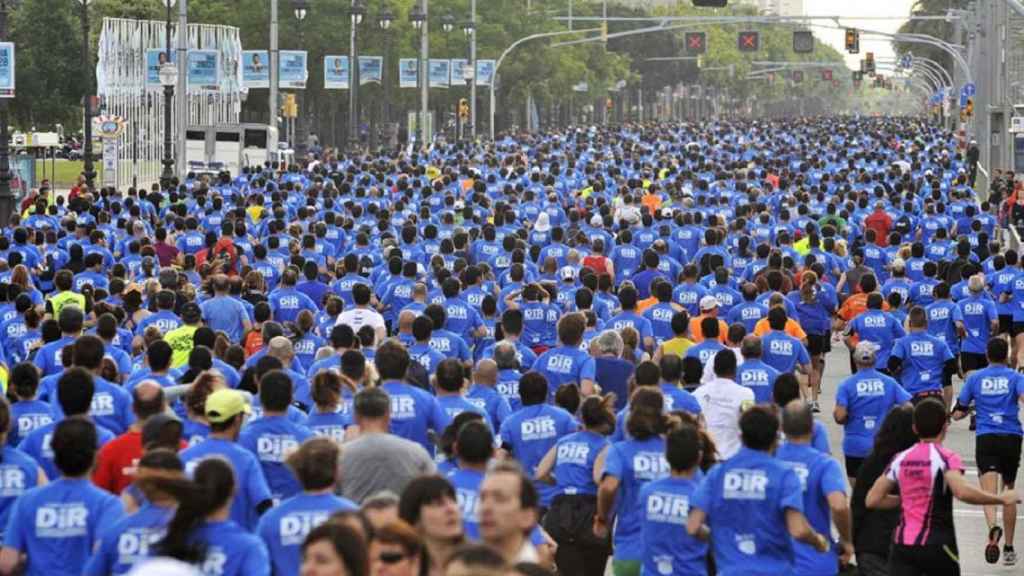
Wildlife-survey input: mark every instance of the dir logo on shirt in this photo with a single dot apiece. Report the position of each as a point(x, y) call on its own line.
point(922, 349)
point(995, 386)
point(275, 447)
point(12, 481)
point(538, 428)
point(403, 407)
point(134, 544)
point(62, 520)
point(745, 484)
point(468, 503)
point(650, 465)
point(784, 347)
point(29, 422)
point(871, 387)
point(215, 561)
point(296, 526)
point(668, 508)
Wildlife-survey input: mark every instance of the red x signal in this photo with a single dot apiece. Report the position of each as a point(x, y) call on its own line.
point(749, 41)
point(826, 75)
point(696, 42)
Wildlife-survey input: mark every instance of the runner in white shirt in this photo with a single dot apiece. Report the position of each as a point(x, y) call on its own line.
point(721, 401)
point(362, 314)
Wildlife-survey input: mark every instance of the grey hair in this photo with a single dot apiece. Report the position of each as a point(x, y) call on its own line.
point(609, 342)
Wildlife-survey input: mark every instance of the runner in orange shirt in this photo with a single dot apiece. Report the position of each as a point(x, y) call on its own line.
point(708, 309)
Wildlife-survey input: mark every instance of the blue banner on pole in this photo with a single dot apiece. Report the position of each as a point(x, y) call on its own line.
point(255, 69)
point(408, 72)
point(440, 73)
point(336, 72)
point(292, 69)
point(155, 59)
point(371, 69)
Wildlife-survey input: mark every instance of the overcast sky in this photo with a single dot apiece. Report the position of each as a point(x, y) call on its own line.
point(851, 11)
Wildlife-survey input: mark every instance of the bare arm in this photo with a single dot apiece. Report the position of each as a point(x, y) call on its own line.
point(840, 415)
point(840, 507)
point(800, 530)
point(968, 494)
point(880, 496)
point(599, 465)
point(9, 560)
point(546, 466)
point(695, 525)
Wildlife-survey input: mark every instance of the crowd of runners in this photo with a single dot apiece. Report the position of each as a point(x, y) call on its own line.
point(596, 350)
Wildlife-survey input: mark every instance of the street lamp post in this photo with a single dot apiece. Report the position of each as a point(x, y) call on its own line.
point(300, 8)
point(447, 25)
point(6, 196)
point(384, 20)
point(168, 78)
point(356, 13)
point(87, 70)
point(418, 17)
point(470, 30)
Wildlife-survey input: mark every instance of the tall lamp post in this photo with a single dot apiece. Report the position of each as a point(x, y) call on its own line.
point(469, 29)
point(356, 13)
point(417, 17)
point(6, 196)
point(168, 78)
point(300, 8)
point(384, 20)
point(89, 72)
point(447, 25)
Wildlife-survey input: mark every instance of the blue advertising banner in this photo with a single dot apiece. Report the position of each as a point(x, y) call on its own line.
point(292, 69)
point(458, 71)
point(484, 72)
point(255, 69)
point(408, 72)
point(336, 72)
point(154, 59)
point(203, 69)
point(371, 69)
point(440, 73)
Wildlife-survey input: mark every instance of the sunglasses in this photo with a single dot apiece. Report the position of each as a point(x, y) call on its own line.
point(391, 557)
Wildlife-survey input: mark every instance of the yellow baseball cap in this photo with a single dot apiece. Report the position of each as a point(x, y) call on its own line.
point(223, 405)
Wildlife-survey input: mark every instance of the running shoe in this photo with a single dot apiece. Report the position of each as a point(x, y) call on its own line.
point(1009, 557)
point(995, 534)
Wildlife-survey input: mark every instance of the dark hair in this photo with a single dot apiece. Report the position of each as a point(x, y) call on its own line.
point(5, 418)
point(349, 544)
point(159, 355)
point(474, 442)
point(683, 447)
point(759, 427)
point(211, 487)
point(89, 351)
point(785, 389)
point(392, 360)
point(74, 446)
point(567, 397)
point(997, 350)
point(478, 557)
point(371, 403)
point(533, 388)
point(315, 463)
point(420, 492)
point(25, 380)
point(645, 417)
point(275, 391)
point(599, 412)
point(797, 419)
point(929, 417)
point(75, 389)
point(449, 375)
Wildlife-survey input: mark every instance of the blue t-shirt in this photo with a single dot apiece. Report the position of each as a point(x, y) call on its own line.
point(57, 525)
point(231, 551)
point(491, 402)
point(452, 406)
point(575, 455)
point(467, 492)
point(819, 475)
point(745, 499)
point(330, 424)
point(783, 352)
point(759, 377)
point(224, 313)
point(995, 391)
point(530, 432)
point(271, 439)
point(924, 358)
point(979, 314)
point(284, 527)
point(630, 319)
point(18, 474)
point(111, 406)
point(129, 541)
point(868, 396)
point(634, 463)
point(878, 327)
point(564, 365)
point(413, 412)
point(943, 317)
point(37, 445)
point(667, 548)
point(251, 487)
point(26, 416)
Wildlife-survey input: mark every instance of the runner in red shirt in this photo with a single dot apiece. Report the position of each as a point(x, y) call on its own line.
point(881, 223)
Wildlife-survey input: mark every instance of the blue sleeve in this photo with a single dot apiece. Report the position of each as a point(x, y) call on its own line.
point(791, 494)
point(437, 416)
point(897, 350)
point(14, 537)
point(502, 411)
point(256, 483)
point(967, 392)
point(613, 464)
point(819, 438)
point(897, 327)
point(587, 369)
point(506, 433)
point(901, 394)
point(832, 478)
point(841, 395)
point(620, 424)
point(111, 511)
point(99, 563)
point(691, 405)
point(701, 497)
point(257, 560)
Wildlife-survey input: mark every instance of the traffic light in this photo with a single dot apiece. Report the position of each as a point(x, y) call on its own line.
point(852, 41)
point(803, 41)
point(748, 41)
point(696, 43)
point(826, 75)
point(969, 109)
point(463, 108)
point(798, 77)
point(869, 62)
point(710, 3)
point(290, 108)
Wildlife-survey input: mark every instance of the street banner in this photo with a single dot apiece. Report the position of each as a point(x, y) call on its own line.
point(484, 72)
point(203, 70)
point(255, 69)
point(292, 69)
point(458, 71)
point(371, 69)
point(155, 59)
point(336, 72)
point(440, 73)
point(408, 72)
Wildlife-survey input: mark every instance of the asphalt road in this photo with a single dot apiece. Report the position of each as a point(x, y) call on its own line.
point(971, 530)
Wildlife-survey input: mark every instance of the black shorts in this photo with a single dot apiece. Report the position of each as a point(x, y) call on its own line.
point(933, 560)
point(998, 453)
point(1017, 328)
point(1005, 323)
point(971, 361)
point(853, 464)
point(817, 344)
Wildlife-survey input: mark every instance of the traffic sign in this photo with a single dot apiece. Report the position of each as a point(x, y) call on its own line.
point(963, 99)
point(803, 41)
point(797, 77)
point(748, 41)
point(968, 89)
point(826, 74)
point(696, 43)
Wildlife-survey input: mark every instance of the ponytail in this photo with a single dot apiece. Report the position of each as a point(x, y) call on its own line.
point(212, 486)
point(808, 284)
